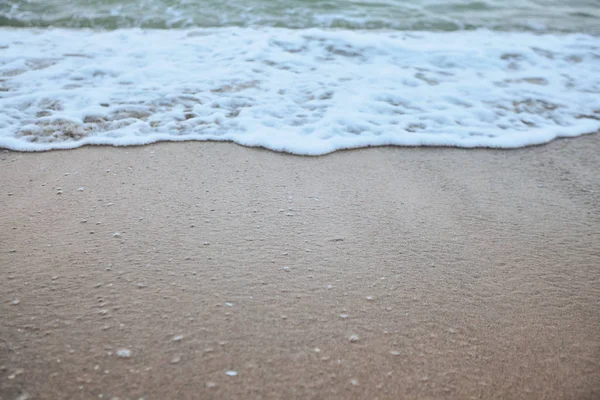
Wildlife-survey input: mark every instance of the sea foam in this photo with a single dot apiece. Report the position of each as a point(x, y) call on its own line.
point(307, 91)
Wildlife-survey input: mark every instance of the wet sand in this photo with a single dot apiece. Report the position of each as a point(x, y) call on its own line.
point(383, 273)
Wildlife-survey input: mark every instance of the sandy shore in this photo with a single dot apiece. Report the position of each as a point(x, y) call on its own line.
point(382, 273)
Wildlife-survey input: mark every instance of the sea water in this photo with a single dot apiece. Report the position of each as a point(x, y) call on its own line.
point(300, 76)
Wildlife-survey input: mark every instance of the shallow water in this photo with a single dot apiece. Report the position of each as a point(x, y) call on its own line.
point(306, 77)
point(438, 15)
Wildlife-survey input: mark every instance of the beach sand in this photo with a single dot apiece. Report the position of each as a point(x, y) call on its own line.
point(383, 273)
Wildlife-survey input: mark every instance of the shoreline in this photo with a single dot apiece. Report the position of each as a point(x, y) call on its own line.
point(259, 147)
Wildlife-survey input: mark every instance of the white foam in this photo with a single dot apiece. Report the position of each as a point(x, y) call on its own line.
point(306, 91)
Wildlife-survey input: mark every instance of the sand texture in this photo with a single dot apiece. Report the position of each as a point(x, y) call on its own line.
point(385, 273)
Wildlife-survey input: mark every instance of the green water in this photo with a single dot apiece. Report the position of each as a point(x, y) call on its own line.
point(434, 15)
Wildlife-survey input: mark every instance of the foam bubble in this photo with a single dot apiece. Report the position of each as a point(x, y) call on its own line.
point(306, 91)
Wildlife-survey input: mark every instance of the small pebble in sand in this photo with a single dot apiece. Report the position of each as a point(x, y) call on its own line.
point(330, 286)
point(286, 269)
point(369, 298)
point(343, 316)
point(231, 373)
point(116, 234)
point(80, 189)
point(354, 382)
point(229, 304)
point(395, 353)
point(211, 385)
point(175, 359)
point(54, 278)
point(16, 373)
point(123, 353)
point(15, 302)
point(354, 338)
point(10, 194)
point(206, 243)
point(178, 338)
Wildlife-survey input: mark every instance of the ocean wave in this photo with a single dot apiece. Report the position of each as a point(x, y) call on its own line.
point(308, 91)
point(431, 15)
